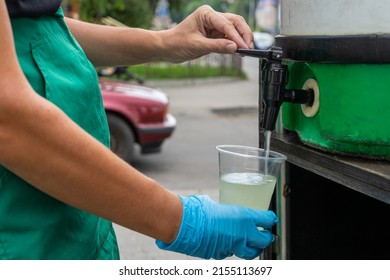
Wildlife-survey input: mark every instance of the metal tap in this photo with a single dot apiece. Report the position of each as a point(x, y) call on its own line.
point(273, 77)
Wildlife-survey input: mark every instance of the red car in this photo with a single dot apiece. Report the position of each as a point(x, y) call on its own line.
point(136, 115)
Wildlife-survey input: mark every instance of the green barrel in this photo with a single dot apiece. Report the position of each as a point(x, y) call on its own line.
point(344, 47)
point(354, 108)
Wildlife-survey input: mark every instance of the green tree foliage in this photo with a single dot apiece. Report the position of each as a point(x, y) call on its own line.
point(92, 9)
point(192, 5)
point(139, 13)
point(130, 12)
point(240, 7)
point(135, 13)
point(245, 8)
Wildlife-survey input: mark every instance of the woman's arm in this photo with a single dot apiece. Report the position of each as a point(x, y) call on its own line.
point(32, 131)
point(202, 32)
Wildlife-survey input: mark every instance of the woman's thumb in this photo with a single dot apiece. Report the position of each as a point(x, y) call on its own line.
point(221, 45)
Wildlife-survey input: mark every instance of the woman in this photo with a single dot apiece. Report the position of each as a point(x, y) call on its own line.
point(60, 186)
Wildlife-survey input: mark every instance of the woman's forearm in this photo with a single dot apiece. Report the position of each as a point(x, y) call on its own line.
point(203, 32)
point(44, 147)
point(113, 46)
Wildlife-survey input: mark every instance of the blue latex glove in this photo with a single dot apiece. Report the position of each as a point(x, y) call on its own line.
point(212, 230)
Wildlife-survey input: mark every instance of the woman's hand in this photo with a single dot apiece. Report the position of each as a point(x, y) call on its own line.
point(212, 230)
point(206, 31)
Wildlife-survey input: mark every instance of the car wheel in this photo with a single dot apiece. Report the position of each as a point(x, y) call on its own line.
point(121, 137)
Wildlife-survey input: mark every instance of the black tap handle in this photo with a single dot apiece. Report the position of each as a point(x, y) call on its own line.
point(273, 77)
point(273, 53)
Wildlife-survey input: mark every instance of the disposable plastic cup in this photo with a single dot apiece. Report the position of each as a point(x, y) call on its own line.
point(248, 175)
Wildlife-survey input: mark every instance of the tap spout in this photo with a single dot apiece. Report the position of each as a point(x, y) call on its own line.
point(273, 77)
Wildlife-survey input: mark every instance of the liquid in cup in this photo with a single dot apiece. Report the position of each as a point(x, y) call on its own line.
point(246, 176)
point(253, 190)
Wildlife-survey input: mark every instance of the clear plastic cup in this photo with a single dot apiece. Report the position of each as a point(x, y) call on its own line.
point(247, 175)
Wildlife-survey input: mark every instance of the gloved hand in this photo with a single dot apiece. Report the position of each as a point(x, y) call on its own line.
point(212, 230)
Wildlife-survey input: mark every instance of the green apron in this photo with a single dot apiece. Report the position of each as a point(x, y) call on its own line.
point(32, 224)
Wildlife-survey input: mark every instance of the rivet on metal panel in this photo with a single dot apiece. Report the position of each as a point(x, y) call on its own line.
point(286, 190)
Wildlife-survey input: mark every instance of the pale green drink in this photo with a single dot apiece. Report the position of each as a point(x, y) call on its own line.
point(253, 190)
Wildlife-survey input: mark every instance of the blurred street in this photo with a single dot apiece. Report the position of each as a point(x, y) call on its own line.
point(208, 114)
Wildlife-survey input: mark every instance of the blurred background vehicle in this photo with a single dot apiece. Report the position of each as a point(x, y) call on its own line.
point(119, 72)
point(137, 115)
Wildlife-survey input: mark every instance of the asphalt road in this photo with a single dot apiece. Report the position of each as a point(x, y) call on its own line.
point(207, 114)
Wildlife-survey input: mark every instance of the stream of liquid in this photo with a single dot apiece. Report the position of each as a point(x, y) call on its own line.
point(267, 145)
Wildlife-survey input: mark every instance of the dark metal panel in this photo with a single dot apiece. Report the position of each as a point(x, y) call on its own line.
point(370, 177)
